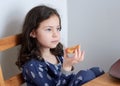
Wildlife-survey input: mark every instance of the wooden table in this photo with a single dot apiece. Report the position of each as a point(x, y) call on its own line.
point(103, 80)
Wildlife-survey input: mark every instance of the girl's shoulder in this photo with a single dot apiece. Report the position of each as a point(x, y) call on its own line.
point(34, 63)
point(38, 63)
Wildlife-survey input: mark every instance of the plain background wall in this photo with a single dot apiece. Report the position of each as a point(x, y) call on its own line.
point(12, 14)
point(95, 25)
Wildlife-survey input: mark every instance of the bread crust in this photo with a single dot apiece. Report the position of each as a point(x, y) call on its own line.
point(72, 49)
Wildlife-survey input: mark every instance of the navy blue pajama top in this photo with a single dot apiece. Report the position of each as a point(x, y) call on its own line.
point(42, 73)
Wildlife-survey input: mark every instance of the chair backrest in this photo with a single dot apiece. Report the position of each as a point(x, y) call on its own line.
point(6, 43)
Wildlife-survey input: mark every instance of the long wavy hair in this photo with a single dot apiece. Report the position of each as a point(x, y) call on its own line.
point(29, 47)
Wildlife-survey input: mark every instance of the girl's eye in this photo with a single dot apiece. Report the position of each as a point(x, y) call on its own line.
point(58, 29)
point(48, 29)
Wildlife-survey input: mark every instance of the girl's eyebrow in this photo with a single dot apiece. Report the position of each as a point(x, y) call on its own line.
point(51, 26)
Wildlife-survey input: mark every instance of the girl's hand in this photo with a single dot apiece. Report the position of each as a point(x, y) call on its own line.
point(69, 61)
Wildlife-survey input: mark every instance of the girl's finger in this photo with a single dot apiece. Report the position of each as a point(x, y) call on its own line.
point(76, 54)
point(79, 52)
point(82, 56)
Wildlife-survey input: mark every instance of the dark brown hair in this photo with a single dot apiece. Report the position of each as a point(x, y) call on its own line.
point(29, 47)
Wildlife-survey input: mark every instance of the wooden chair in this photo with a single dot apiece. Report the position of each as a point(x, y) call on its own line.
point(6, 43)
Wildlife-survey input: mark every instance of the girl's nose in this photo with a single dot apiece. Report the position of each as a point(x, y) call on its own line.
point(55, 33)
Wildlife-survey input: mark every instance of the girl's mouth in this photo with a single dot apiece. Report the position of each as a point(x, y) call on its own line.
point(56, 41)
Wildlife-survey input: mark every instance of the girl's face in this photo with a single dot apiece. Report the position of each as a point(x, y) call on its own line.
point(48, 32)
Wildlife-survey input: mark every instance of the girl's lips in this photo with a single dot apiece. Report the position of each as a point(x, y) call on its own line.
point(56, 41)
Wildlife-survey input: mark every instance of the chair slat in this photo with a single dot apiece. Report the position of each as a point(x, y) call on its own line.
point(16, 80)
point(9, 42)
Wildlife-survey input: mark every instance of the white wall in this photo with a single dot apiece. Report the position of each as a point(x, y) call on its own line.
point(12, 13)
point(95, 25)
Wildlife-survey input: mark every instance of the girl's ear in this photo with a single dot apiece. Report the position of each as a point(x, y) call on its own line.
point(32, 34)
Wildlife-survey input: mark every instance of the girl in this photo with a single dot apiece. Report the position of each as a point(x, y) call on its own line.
point(42, 58)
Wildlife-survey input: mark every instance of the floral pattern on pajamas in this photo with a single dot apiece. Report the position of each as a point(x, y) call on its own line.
point(42, 73)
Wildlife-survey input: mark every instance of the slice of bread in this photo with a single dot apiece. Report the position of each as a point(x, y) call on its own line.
point(72, 49)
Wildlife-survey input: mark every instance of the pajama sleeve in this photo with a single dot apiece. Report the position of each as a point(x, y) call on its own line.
point(36, 75)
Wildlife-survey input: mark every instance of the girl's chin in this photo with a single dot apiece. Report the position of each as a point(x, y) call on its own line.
point(53, 46)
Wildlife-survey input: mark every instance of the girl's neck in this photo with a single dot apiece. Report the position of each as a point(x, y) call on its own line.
point(45, 52)
point(48, 56)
